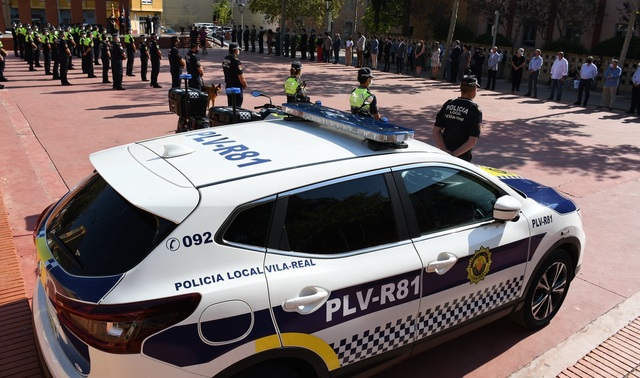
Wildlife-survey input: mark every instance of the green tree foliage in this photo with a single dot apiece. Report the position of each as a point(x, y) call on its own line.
point(222, 12)
point(487, 39)
point(611, 48)
point(566, 46)
point(388, 17)
point(313, 12)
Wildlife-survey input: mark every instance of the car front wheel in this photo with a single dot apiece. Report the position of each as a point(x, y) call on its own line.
point(547, 292)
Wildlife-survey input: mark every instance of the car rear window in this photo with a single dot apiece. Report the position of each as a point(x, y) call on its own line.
point(94, 231)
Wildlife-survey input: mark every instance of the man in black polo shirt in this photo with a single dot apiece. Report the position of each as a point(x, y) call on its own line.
point(458, 123)
point(233, 74)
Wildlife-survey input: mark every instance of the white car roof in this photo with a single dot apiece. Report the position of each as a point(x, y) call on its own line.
point(162, 174)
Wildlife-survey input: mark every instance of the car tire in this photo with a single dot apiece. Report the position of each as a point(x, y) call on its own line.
point(547, 291)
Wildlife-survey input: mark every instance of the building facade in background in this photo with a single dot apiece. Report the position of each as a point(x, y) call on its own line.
point(57, 12)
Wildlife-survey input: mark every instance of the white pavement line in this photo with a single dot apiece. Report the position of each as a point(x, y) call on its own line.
point(570, 351)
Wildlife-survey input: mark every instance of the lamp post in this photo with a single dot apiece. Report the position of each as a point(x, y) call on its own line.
point(241, 10)
point(495, 28)
point(328, 4)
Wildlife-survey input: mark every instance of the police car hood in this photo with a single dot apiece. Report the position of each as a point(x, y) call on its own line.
point(147, 180)
point(542, 194)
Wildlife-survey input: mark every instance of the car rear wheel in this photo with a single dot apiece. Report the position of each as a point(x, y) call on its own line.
point(547, 292)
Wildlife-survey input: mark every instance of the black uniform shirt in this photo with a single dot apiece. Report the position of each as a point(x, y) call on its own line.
point(153, 50)
point(116, 52)
point(460, 119)
point(174, 58)
point(143, 50)
point(193, 63)
point(232, 68)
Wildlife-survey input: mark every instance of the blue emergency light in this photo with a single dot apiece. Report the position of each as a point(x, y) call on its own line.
point(373, 130)
point(185, 76)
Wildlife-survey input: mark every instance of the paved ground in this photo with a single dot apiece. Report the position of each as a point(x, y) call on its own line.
point(592, 156)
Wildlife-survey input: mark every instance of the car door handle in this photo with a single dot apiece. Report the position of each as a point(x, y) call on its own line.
point(444, 262)
point(310, 299)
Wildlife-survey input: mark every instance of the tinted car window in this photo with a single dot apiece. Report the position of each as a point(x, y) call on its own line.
point(444, 197)
point(340, 217)
point(251, 225)
point(96, 232)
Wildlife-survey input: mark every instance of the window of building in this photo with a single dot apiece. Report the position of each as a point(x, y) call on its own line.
point(147, 2)
point(529, 36)
point(348, 29)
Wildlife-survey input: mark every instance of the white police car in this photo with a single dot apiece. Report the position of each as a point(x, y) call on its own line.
point(288, 248)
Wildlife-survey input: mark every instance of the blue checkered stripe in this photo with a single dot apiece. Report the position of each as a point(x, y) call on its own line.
point(375, 341)
point(462, 309)
point(394, 335)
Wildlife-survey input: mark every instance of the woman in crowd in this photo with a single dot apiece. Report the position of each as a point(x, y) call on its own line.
point(435, 60)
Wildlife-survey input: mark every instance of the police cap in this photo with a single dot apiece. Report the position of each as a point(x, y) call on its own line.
point(233, 47)
point(296, 64)
point(364, 73)
point(469, 81)
point(193, 45)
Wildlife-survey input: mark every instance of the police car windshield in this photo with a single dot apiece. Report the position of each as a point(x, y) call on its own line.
point(96, 232)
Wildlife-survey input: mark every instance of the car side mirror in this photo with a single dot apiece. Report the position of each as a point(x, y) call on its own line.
point(506, 208)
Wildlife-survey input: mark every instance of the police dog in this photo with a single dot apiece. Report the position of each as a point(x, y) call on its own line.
point(212, 92)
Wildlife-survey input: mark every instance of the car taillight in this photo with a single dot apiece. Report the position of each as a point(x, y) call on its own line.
point(42, 215)
point(122, 328)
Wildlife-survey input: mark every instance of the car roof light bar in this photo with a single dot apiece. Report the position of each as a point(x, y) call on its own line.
point(347, 123)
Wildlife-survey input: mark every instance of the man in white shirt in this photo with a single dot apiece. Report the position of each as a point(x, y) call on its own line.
point(493, 63)
point(534, 71)
point(588, 72)
point(635, 93)
point(559, 71)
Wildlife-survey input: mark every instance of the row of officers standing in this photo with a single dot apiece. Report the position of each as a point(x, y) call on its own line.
point(58, 46)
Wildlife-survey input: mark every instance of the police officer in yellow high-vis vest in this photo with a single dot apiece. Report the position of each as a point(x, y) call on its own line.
point(362, 101)
point(293, 87)
point(130, 46)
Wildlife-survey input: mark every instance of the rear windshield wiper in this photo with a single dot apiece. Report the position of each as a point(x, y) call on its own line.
point(63, 247)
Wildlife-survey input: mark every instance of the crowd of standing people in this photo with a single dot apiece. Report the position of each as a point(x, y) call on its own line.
point(54, 49)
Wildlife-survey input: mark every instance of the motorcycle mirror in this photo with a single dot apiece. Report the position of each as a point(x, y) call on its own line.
point(256, 93)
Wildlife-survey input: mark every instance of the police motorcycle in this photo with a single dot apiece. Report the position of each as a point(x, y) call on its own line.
point(191, 107)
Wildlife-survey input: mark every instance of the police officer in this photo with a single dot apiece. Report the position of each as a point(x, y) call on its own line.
point(233, 74)
point(55, 53)
point(156, 55)
point(37, 39)
point(47, 42)
point(29, 48)
point(14, 34)
point(144, 57)
point(22, 33)
point(458, 123)
point(303, 44)
point(253, 38)
point(246, 36)
point(362, 101)
point(87, 54)
point(117, 56)
point(105, 56)
point(261, 41)
point(96, 35)
point(176, 63)
point(286, 41)
point(71, 45)
point(3, 57)
point(130, 44)
point(194, 67)
point(293, 87)
point(64, 56)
